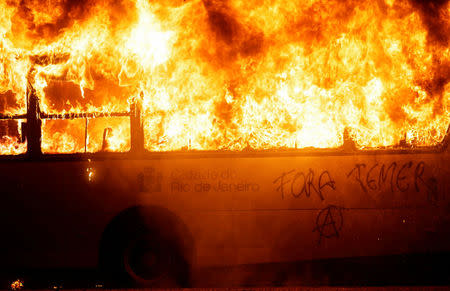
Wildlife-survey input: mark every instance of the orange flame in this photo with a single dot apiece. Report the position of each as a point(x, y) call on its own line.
point(17, 285)
point(230, 74)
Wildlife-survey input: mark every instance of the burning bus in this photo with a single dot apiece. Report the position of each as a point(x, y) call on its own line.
point(153, 138)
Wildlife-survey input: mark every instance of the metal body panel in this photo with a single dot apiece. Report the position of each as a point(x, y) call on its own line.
point(254, 210)
point(239, 209)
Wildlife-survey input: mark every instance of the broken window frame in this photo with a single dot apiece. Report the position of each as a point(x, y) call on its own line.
point(33, 133)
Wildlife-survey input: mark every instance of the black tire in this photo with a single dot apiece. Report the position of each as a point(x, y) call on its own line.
point(132, 255)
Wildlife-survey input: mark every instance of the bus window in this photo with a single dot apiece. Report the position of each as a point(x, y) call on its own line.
point(11, 139)
point(63, 136)
point(11, 142)
point(110, 134)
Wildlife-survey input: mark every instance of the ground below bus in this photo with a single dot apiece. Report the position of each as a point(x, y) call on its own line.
point(400, 270)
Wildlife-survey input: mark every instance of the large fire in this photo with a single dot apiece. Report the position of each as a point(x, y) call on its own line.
point(228, 75)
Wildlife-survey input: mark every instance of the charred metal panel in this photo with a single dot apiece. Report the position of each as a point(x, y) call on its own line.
point(240, 208)
point(253, 210)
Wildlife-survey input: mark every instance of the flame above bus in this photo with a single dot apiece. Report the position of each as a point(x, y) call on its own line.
point(229, 75)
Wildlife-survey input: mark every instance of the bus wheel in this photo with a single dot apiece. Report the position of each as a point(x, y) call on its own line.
point(150, 262)
point(143, 260)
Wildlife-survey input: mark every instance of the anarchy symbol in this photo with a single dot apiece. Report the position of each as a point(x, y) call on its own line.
point(329, 222)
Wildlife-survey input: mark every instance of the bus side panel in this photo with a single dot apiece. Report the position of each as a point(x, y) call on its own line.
point(53, 214)
point(275, 209)
point(239, 210)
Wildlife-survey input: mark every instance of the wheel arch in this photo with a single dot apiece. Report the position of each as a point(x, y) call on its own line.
point(158, 220)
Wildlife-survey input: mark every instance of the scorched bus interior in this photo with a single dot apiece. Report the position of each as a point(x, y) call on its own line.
point(29, 132)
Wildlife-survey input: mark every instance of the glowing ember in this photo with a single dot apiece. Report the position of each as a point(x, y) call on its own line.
point(90, 172)
point(17, 285)
point(228, 74)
